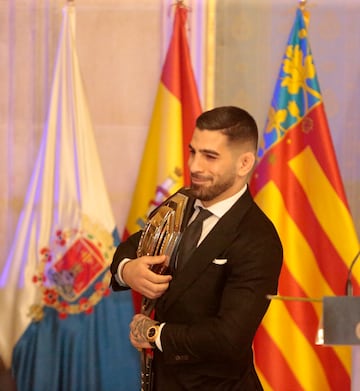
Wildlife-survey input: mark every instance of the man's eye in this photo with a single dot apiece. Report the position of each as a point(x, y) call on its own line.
point(211, 157)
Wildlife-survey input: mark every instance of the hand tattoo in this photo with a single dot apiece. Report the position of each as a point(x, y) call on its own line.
point(139, 326)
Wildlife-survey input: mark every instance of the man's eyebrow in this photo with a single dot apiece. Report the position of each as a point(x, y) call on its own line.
point(209, 151)
point(205, 150)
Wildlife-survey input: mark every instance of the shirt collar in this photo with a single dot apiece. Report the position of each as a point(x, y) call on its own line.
point(221, 207)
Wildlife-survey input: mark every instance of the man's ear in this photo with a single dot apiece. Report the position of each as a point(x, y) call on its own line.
point(246, 162)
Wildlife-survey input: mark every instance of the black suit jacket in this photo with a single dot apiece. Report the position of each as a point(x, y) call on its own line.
point(214, 306)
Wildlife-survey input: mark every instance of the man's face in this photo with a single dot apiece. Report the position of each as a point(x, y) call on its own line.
point(213, 167)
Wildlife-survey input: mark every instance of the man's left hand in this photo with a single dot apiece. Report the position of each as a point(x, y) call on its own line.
point(138, 328)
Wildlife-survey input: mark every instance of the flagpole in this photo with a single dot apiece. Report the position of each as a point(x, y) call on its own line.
point(210, 55)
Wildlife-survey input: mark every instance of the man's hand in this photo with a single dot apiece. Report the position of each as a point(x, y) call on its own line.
point(138, 327)
point(138, 276)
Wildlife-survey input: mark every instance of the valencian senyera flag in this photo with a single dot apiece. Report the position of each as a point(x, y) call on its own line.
point(163, 168)
point(298, 184)
point(70, 332)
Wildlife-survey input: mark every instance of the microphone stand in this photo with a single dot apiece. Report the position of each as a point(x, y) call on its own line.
point(348, 285)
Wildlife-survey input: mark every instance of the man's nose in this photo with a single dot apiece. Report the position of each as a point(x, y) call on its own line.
point(194, 163)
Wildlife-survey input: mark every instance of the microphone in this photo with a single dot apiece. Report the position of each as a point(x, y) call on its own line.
point(348, 285)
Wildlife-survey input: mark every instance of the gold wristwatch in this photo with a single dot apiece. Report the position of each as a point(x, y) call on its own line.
point(152, 333)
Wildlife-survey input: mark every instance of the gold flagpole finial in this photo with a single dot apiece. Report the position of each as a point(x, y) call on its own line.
point(181, 4)
point(302, 4)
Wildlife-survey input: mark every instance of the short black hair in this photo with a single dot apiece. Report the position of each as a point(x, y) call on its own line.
point(237, 124)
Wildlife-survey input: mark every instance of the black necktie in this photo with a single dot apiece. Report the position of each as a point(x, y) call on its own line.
point(191, 237)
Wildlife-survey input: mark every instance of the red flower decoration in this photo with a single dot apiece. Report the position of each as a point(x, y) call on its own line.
point(60, 238)
point(39, 278)
point(44, 250)
point(85, 306)
point(47, 254)
point(102, 288)
point(63, 315)
point(50, 296)
point(63, 306)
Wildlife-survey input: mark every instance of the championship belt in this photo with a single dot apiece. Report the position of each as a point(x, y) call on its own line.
point(160, 237)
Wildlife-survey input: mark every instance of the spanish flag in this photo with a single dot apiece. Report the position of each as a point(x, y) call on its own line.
point(177, 105)
point(298, 184)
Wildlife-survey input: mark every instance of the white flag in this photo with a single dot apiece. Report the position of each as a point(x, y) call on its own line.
point(57, 269)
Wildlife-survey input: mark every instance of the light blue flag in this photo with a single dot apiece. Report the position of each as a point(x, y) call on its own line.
point(70, 332)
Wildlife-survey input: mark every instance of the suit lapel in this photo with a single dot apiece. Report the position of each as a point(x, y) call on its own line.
point(222, 235)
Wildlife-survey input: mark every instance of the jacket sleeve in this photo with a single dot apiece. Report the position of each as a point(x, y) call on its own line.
point(126, 249)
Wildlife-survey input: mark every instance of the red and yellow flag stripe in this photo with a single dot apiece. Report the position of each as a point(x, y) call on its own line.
point(298, 184)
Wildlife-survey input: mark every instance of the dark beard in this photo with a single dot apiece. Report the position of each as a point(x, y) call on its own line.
point(209, 193)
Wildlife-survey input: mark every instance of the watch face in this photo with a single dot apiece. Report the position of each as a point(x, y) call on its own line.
point(151, 332)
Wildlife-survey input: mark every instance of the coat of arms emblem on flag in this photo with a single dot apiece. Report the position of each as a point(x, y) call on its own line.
point(72, 261)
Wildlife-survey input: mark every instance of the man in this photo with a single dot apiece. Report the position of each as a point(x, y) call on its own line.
point(207, 313)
